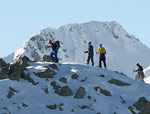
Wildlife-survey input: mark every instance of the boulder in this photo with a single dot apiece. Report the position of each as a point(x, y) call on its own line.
point(63, 80)
point(142, 105)
point(51, 107)
point(48, 58)
point(16, 69)
point(74, 76)
point(64, 91)
point(4, 69)
point(55, 85)
point(118, 83)
point(48, 73)
point(80, 93)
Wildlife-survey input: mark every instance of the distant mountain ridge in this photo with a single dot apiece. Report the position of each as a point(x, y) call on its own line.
point(123, 49)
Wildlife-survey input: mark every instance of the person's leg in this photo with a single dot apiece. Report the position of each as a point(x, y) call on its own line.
point(88, 59)
point(51, 55)
point(100, 62)
point(55, 55)
point(92, 61)
point(104, 61)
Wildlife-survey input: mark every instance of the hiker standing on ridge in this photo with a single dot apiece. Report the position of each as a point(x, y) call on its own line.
point(54, 51)
point(140, 74)
point(102, 57)
point(90, 53)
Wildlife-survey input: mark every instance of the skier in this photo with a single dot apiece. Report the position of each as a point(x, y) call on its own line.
point(54, 52)
point(102, 57)
point(140, 74)
point(90, 53)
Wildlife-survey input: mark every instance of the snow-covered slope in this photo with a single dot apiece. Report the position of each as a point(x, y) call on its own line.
point(123, 49)
point(72, 89)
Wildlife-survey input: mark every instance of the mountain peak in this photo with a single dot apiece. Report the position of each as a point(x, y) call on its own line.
point(123, 49)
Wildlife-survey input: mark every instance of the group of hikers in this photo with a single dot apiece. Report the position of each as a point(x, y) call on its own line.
point(102, 58)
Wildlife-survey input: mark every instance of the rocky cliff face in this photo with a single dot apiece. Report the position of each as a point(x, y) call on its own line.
point(123, 49)
point(44, 87)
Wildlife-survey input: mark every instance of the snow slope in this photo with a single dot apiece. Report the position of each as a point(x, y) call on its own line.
point(123, 49)
point(40, 98)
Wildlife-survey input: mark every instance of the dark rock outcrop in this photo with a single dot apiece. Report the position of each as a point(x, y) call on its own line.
point(51, 107)
point(16, 69)
point(63, 80)
point(48, 73)
point(80, 93)
point(118, 83)
point(4, 69)
point(142, 105)
point(74, 76)
point(64, 91)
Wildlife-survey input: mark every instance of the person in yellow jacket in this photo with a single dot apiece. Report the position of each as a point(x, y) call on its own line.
point(102, 57)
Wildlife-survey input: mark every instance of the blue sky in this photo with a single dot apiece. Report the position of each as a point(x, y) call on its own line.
point(20, 19)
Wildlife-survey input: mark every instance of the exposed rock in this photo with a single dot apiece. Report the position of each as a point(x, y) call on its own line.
point(48, 73)
point(122, 100)
point(105, 92)
point(48, 58)
point(25, 75)
point(63, 80)
point(74, 76)
point(118, 83)
point(11, 92)
point(131, 109)
point(46, 90)
point(121, 73)
point(55, 85)
point(24, 105)
point(143, 106)
point(102, 76)
point(4, 69)
point(53, 66)
point(64, 91)
point(51, 107)
point(61, 107)
point(16, 69)
point(89, 97)
point(102, 91)
point(80, 93)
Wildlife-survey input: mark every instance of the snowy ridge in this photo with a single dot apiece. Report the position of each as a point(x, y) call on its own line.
point(123, 49)
point(100, 96)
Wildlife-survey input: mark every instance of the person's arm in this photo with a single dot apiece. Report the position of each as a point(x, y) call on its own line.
point(85, 51)
point(48, 46)
point(98, 52)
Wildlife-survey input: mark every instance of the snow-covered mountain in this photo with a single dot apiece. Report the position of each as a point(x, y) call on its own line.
point(49, 88)
point(123, 49)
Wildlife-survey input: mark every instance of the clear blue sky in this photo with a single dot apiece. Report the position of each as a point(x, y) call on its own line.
point(20, 19)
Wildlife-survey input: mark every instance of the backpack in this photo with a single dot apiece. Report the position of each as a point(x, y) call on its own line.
point(57, 43)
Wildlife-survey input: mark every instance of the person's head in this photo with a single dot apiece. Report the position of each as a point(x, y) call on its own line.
point(137, 64)
point(89, 43)
point(101, 45)
point(50, 41)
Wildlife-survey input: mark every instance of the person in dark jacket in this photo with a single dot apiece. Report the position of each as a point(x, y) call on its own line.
point(140, 74)
point(54, 51)
point(90, 54)
point(102, 57)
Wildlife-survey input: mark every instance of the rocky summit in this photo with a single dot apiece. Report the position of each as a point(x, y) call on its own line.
point(40, 87)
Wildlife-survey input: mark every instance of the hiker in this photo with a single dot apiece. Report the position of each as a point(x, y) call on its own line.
point(140, 74)
point(102, 57)
point(90, 53)
point(54, 52)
